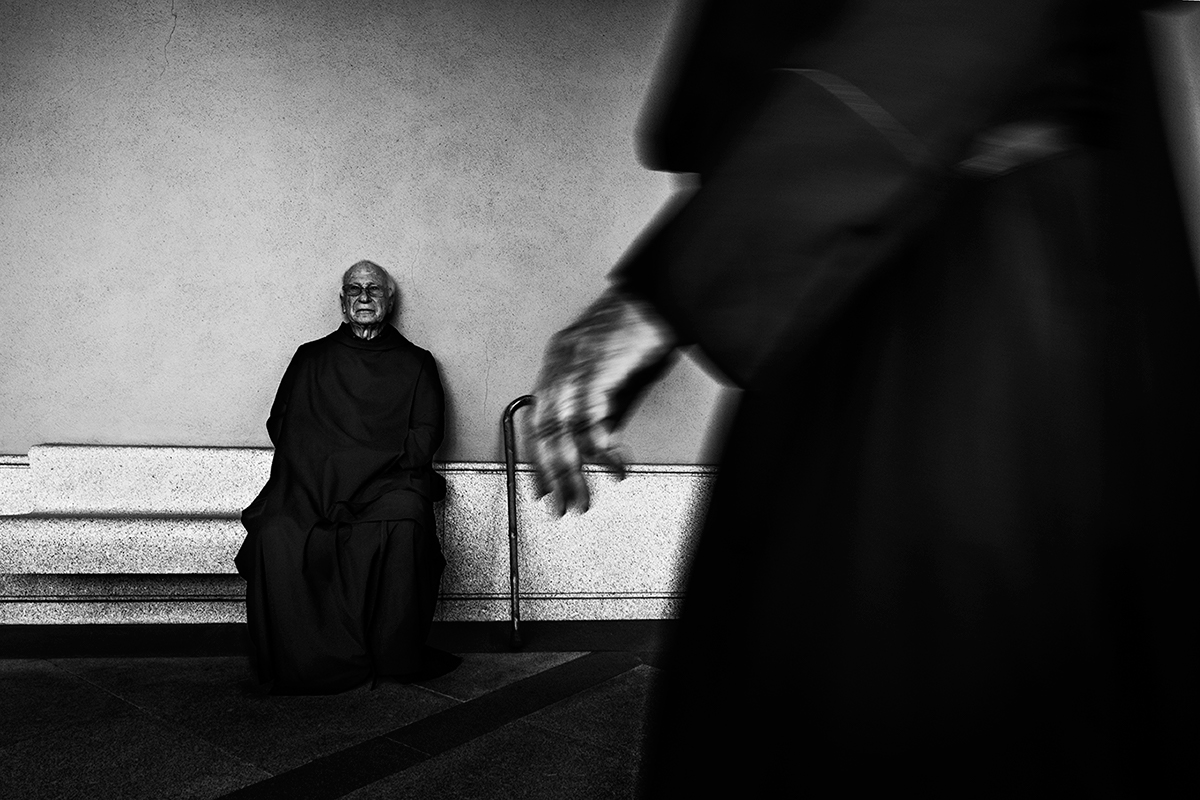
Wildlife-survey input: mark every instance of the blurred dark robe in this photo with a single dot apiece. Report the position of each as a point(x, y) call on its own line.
point(952, 543)
point(341, 557)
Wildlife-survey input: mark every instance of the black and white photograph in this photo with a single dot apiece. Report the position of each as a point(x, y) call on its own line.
point(599, 399)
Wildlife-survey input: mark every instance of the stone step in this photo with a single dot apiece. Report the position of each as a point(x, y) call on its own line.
point(67, 544)
point(93, 479)
point(94, 544)
point(189, 599)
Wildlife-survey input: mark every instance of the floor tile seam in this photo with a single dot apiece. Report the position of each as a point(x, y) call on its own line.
point(166, 722)
point(436, 693)
point(53, 728)
point(50, 731)
point(525, 685)
point(398, 737)
point(461, 700)
point(500, 700)
point(45, 732)
point(557, 731)
point(573, 737)
point(432, 760)
point(364, 757)
point(180, 728)
point(375, 737)
point(94, 685)
point(264, 773)
point(593, 687)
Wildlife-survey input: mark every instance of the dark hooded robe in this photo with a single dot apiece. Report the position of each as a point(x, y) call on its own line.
point(341, 559)
point(951, 548)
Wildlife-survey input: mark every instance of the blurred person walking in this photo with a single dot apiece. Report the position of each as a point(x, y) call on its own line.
point(951, 546)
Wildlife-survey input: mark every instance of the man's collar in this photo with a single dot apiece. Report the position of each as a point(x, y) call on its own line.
point(387, 339)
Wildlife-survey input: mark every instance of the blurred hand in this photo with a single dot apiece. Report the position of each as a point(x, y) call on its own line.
point(591, 373)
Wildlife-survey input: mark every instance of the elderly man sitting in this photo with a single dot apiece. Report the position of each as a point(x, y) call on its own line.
point(341, 559)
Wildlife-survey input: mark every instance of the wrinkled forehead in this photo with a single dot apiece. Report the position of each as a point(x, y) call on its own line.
point(365, 276)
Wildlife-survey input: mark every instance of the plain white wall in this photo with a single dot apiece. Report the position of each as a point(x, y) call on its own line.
point(182, 184)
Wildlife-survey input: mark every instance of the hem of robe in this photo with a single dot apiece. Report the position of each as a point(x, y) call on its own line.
point(345, 589)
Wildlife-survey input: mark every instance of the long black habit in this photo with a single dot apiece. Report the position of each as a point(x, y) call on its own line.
point(952, 544)
point(341, 557)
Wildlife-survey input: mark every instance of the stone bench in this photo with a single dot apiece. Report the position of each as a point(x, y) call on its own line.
point(96, 534)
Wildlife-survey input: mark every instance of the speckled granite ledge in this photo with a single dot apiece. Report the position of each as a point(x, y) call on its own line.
point(127, 534)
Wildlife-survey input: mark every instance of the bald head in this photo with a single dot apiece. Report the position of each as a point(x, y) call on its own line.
point(369, 269)
point(368, 293)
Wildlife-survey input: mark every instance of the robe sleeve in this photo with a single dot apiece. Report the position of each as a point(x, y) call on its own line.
point(282, 396)
point(844, 159)
point(427, 419)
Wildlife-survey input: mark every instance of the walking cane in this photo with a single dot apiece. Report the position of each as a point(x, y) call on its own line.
point(510, 463)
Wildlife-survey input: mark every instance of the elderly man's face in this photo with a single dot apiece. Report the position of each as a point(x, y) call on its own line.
point(372, 304)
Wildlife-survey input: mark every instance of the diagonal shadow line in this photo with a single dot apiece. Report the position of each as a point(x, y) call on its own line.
point(332, 776)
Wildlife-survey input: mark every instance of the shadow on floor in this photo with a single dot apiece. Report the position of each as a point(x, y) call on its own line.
point(130, 719)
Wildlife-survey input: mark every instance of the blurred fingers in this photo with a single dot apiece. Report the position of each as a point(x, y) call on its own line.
point(557, 458)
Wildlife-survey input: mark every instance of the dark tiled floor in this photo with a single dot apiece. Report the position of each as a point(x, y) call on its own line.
point(518, 760)
point(533, 724)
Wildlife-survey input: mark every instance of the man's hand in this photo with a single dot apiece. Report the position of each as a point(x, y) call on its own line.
point(589, 377)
